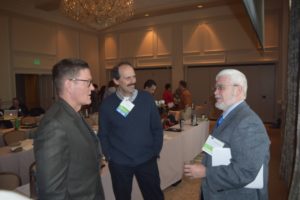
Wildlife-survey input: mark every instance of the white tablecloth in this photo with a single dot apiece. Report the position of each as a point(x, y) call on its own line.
point(177, 148)
point(17, 162)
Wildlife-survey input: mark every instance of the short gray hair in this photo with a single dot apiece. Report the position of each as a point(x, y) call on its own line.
point(237, 78)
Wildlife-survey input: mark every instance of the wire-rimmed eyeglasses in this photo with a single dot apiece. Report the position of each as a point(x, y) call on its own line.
point(222, 87)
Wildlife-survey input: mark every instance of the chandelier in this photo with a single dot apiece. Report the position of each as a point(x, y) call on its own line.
point(98, 14)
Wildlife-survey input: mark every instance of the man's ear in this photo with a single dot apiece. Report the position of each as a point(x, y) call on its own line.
point(67, 85)
point(239, 90)
point(116, 81)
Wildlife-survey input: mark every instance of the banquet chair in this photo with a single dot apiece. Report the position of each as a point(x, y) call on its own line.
point(13, 136)
point(29, 120)
point(9, 181)
point(37, 111)
point(32, 181)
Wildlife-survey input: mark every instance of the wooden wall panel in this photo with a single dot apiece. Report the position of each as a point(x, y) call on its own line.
point(35, 37)
point(157, 62)
point(144, 42)
point(271, 30)
point(191, 38)
point(211, 40)
point(6, 83)
point(32, 96)
point(89, 51)
point(111, 46)
point(67, 43)
point(164, 41)
point(127, 44)
point(25, 61)
point(226, 34)
point(250, 56)
point(204, 59)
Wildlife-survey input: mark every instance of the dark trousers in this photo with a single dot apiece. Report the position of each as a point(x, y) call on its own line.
point(146, 174)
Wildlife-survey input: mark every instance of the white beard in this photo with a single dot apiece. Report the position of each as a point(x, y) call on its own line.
point(221, 106)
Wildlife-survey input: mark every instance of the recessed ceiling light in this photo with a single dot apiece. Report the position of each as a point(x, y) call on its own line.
point(199, 6)
point(146, 15)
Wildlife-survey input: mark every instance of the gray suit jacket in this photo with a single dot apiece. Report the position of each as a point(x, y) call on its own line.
point(67, 155)
point(244, 133)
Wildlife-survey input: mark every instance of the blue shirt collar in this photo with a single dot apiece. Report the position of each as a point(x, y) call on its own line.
point(231, 108)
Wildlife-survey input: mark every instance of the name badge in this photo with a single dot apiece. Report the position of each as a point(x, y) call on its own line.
point(125, 107)
point(212, 143)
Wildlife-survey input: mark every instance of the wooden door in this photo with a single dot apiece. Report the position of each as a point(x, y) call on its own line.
point(31, 85)
point(47, 93)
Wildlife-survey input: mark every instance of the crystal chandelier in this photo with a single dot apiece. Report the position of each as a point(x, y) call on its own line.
point(98, 14)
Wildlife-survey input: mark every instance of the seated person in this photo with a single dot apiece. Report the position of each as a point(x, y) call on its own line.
point(185, 95)
point(16, 105)
point(168, 96)
point(167, 119)
point(150, 86)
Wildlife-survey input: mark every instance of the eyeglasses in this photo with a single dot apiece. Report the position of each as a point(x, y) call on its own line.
point(222, 87)
point(89, 82)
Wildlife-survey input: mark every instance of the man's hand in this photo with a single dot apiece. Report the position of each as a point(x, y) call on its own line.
point(194, 170)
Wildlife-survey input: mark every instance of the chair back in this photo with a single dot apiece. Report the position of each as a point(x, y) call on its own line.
point(29, 121)
point(36, 111)
point(13, 137)
point(32, 181)
point(9, 181)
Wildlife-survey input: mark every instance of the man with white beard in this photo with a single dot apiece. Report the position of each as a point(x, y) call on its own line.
point(241, 138)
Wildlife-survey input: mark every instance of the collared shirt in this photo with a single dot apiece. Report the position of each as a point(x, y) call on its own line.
point(231, 108)
point(131, 98)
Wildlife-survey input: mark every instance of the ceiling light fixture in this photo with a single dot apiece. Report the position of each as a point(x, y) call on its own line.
point(98, 14)
point(199, 6)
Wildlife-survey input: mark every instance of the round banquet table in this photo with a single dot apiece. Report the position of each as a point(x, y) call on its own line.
point(17, 162)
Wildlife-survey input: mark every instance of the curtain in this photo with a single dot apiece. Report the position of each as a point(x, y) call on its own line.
point(290, 155)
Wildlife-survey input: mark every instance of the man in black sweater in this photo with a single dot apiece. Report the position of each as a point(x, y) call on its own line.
point(131, 135)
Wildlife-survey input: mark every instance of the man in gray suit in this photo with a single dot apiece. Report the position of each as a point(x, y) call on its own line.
point(67, 152)
point(245, 176)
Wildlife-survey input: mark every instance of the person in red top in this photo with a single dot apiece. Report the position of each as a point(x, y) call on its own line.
point(185, 96)
point(168, 96)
